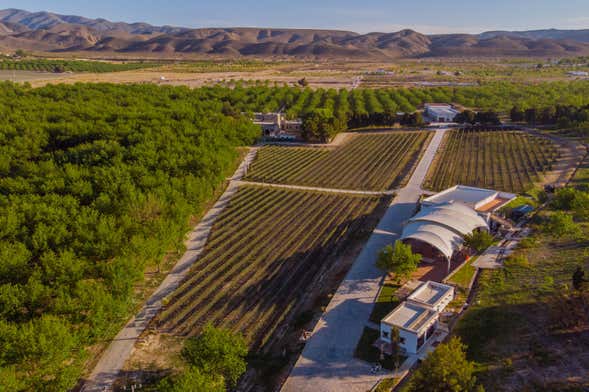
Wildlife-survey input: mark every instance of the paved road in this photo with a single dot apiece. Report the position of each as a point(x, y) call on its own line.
point(114, 357)
point(318, 189)
point(327, 362)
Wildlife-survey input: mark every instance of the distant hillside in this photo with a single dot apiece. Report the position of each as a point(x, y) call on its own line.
point(45, 31)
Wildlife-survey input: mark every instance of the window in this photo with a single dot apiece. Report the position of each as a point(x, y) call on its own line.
point(401, 340)
point(385, 334)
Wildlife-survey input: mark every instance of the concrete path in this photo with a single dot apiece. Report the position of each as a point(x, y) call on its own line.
point(494, 256)
point(319, 189)
point(114, 357)
point(327, 362)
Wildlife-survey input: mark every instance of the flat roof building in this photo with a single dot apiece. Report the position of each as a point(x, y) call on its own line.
point(440, 112)
point(417, 318)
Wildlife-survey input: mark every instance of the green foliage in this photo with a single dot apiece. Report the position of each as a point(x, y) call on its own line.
point(399, 260)
point(446, 370)
point(59, 66)
point(479, 240)
point(96, 182)
point(561, 225)
point(571, 199)
point(217, 351)
point(194, 380)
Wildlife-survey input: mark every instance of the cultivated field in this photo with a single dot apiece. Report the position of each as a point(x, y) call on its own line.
point(265, 253)
point(506, 160)
point(377, 161)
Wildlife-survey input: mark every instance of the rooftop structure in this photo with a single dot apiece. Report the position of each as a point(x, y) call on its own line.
point(479, 199)
point(433, 295)
point(410, 317)
point(440, 112)
point(417, 318)
point(275, 125)
point(442, 226)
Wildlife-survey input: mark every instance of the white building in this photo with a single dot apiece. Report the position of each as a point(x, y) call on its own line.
point(275, 125)
point(440, 112)
point(437, 231)
point(417, 318)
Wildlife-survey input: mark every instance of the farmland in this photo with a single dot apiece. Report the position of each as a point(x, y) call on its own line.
point(266, 251)
point(46, 65)
point(377, 161)
point(506, 160)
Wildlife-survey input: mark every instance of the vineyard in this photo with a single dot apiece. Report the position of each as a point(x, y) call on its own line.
point(377, 161)
point(43, 65)
point(265, 252)
point(505, 160)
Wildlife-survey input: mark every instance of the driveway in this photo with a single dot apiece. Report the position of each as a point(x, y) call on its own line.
point(327, 362)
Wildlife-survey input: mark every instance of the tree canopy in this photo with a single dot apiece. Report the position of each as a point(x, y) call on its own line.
point(398, 259)
point(446, 370)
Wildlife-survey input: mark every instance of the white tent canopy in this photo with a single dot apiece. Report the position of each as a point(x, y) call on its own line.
point(443, 226)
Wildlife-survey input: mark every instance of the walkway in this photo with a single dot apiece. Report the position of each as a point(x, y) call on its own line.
point(327, 362)
point(319, 189)
point(114, 357)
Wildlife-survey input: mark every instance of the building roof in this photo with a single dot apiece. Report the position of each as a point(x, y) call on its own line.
point(443, 226)
point(454, 215)
point(480, 199)
point(411, 317)
point(430, 293)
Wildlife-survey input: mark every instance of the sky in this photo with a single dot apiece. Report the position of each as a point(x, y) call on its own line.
point(426, 16)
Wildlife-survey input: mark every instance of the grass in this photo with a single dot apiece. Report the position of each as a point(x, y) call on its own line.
point(367, 352)
point(387, 384)
point(385, 303)
point(525, 319)
point(267, 251)
point(505, 160)
point(464, 275)
point(375, 162)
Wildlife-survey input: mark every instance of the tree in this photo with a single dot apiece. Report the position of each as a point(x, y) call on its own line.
point(217, 351)
point(398, 260)
point(467, 116)
point(561, 224)
point(516, 114)
point(479, 240)
point(579, 279)
point(446, 370)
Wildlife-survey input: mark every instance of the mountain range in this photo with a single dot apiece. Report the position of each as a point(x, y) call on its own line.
point(50, 32)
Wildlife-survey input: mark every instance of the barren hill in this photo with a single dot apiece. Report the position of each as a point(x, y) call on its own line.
point(46, 31)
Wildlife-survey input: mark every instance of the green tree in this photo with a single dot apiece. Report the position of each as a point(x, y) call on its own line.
point(479, 240)
point(445, 370)
point(516, 114)
point(194, 380)
point(398, 260)
point(217, 351)
point(579, 279)
point(561, 224)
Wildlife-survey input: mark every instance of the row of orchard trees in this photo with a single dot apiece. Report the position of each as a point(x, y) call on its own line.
point(329, 111)
point(563, 115)
point(97, 181)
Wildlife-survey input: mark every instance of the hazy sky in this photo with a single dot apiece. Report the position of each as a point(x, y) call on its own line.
point(427, 16)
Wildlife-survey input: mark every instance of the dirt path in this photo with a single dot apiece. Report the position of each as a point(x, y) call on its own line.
point(114, 357)
point(572, 154)
point(327, 362)
point(318, 189)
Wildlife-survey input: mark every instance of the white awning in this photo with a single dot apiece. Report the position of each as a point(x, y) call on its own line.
point(443, 226)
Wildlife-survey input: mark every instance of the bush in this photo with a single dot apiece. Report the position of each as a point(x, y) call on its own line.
point(217, 351)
